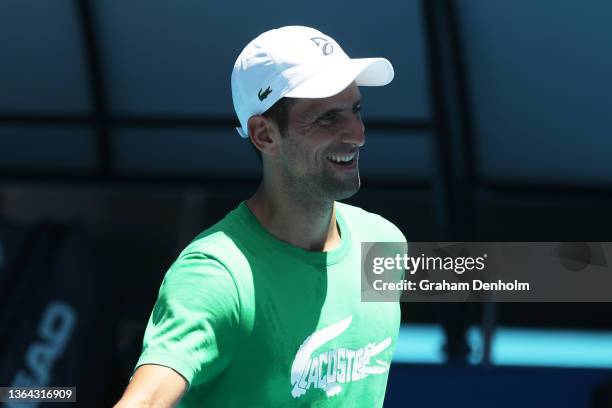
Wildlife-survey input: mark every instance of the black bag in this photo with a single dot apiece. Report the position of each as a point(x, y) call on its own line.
point(52, 329)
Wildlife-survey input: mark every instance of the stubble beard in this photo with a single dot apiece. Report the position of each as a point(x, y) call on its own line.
point(324, 185)
point(336, 189)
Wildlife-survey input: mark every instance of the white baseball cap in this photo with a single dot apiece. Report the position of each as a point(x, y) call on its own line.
point(297, 62)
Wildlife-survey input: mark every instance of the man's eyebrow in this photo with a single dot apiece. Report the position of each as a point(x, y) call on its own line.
point(338, 110)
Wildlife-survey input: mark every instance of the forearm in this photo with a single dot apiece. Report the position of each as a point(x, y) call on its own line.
point(153, 387)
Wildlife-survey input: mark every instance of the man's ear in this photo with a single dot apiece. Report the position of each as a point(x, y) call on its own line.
point(264, 134)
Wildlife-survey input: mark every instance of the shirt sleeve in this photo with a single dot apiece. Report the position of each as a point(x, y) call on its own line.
point(194, 324)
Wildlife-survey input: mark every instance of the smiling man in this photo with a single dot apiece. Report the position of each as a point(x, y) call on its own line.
point(264, 308)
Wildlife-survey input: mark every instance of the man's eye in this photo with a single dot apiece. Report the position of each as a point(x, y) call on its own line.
point(327, 119)
point(357, 110)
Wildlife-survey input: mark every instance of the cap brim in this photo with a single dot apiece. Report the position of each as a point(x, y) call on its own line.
point(335, 78)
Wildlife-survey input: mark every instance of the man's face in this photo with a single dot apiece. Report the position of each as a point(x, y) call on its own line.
point(320, 151)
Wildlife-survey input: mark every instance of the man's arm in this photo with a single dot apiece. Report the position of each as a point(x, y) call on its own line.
point(192, 331)
point(153, 386)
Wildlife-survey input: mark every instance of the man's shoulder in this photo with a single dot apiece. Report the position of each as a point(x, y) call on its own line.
point(372, 226)
point(219, 240)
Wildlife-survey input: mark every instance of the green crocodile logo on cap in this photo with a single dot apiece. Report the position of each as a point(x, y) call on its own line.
point(264, 94)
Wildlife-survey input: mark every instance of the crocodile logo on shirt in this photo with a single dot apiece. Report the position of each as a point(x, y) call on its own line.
point(332, 368)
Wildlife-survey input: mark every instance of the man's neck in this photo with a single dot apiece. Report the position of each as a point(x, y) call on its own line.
point(306, 224)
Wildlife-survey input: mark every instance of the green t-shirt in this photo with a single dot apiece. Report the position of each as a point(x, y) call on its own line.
point(252, 321)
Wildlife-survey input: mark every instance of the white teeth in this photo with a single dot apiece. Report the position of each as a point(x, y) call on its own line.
point(341, 159)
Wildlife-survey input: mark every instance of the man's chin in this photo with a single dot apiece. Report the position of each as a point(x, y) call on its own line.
point(346, 195)
point(347, 191)
point(340, 188)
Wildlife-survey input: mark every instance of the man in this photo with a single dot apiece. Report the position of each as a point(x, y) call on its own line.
point(264, 308)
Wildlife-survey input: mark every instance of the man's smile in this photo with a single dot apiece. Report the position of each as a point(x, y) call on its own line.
point(345, 160)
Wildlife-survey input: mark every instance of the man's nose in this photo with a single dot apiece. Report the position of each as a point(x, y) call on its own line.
point(355, 132)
